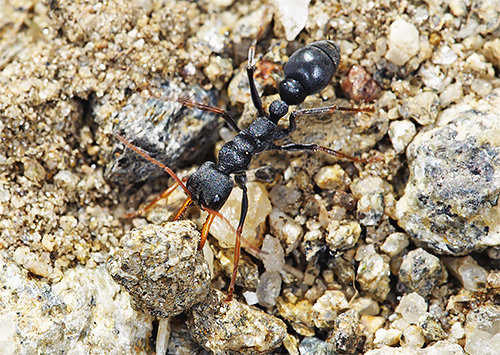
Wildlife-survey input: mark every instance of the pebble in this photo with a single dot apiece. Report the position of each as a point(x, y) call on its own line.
point(389, 337)
point(346, 332)
point(359, 85)
point(223, 327)
point(248, 272)
point(482, 330)
point(293, 15)
point(411, 307)
point(259, 208)
point(401, 133)
point(298, 314)
point(449, 204)
point(420, 272)
point(373, 276)
point(395, 243)
point(472, 276)
point(403, 42)
point(412, 336)
point(491, 50)
point(370, 208)
point(431, 327)
point(269, 288)
point(272, 254)
point(332, 177)
point(452, 93)
point(315, 346)
point(423, 108)
point(286, 199)
point(285, 229)
point(327, 308)
point(365, 306)
point(162, 268)
point(342, 235)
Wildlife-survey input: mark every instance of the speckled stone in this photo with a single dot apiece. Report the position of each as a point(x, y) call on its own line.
point(233, 327)
point(83, 312)
point(420, 272)
point(482, 330)
point(450, 201)
point(162, 268)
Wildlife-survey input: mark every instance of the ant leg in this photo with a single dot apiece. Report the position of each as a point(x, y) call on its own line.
point(322, 110)
point(222, 113)
point(251, 80)
point(163, 195)
point(241, 181)
point(184, 206)
point(314, 148)
point(206, 228)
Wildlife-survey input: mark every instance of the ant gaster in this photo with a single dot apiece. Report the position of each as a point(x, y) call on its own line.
point(307, 72)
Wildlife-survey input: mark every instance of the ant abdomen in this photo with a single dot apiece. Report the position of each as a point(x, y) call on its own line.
point(309, 70)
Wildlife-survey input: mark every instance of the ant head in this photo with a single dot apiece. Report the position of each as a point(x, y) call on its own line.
point(277, 109)
point(209, 187)
point(292, 92)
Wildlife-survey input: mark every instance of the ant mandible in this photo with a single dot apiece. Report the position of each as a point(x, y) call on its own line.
point(307, 72)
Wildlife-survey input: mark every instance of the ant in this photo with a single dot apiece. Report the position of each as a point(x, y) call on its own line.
point(307, 72)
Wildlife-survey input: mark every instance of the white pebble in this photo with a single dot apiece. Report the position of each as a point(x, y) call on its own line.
point(395, 243)
point(452, 93)
point(272, 254)
point(293, 15)
point(411, 307)
point(403, 42)
point(401, 134)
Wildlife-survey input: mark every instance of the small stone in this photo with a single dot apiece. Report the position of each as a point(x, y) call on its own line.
point(315, 346)
point(298, 314)
point(327, 307)
point(412, 336)
point(482, 330)
point(444, 56)
point(431, 327)
point(450, 201)
point(371, 208)
point(452, 93)
point(423, 108)
point(251, 297)
point(162, 268)
point(412, 307)
point(373, 276)
point(259, 208)
point(269, 288)
point(420, 272)
point(403, 42)
point(342, 235)
point(472, 276)
point(389, 337)
point(365, 306)
point(293, 16)
point(272, 254)
point(332, 178)
point(248, 271)
point(372, 323)
point(359, 85)
point(286, 199)
point(224, 327)
point(285, 229)
point(491, 50)
point(345, 334)
point(401, 133)
point(481, 87)
point(395, 243)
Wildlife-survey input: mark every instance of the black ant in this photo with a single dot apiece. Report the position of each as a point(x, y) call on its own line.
point(307, 72)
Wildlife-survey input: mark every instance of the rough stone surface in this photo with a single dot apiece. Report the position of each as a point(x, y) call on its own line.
point(162, 268)
point(420, 272)
point(234, 328)
point(84, 311)
point(450, 202)
point(482, 330)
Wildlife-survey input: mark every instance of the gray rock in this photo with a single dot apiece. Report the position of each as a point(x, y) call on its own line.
point(234, 328)
point(162, 268)
point(450, 201)
point(420, 272)
point(167, 131)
